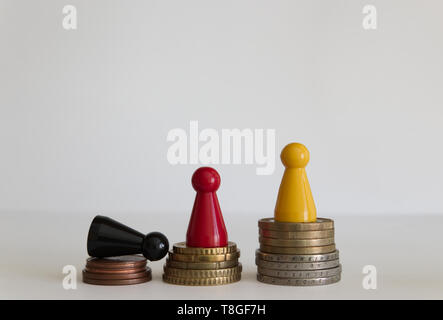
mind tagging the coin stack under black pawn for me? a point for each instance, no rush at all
(296, 247)
(115, 253)
(113, 271)
(206, 258)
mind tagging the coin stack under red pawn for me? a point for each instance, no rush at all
(113, 271)
(206, 258)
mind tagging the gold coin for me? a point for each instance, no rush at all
(320, 224)
(183, 273)
(296, 243)
(299, 250)
(296, 234)
(201, 265)
(183, 249)
(201, 281)
(204, 257)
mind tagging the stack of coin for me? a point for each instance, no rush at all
(115, 271)
(297, 254)
(194, 266)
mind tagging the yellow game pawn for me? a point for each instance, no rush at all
(295, 202)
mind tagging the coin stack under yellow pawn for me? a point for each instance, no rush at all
(296, 247)
(194, 266)
(297, 254)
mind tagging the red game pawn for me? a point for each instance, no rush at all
(206, 228)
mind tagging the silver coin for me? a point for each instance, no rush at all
(297, 265)
(298, 282)
(300, 274)
(296, 257)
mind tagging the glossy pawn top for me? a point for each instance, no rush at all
(295, 202)
(206, 179)
(206, 227)
(109, 238)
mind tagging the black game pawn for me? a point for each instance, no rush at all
(110, 238)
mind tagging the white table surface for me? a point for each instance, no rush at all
(406, 250)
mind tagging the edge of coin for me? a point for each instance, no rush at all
(108, 263)
(298, 282)
(298, 250)
(201, 265)
(202, 273)
(296, 235)
(115, 271)
(293, 258)
(201, 281)
(181, 248)
(296, 243)
(203, 258)
(118, 276)
(300, 274)
(126, 282)
(320, 224)
(297, 266)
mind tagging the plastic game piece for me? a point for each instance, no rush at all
(109, 238)
(294, 201)
(206, 227)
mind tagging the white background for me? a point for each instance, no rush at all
(84, 115)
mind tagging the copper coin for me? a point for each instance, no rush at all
(115, 271)
(120, 262)
(118, 276)
(115, 282)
